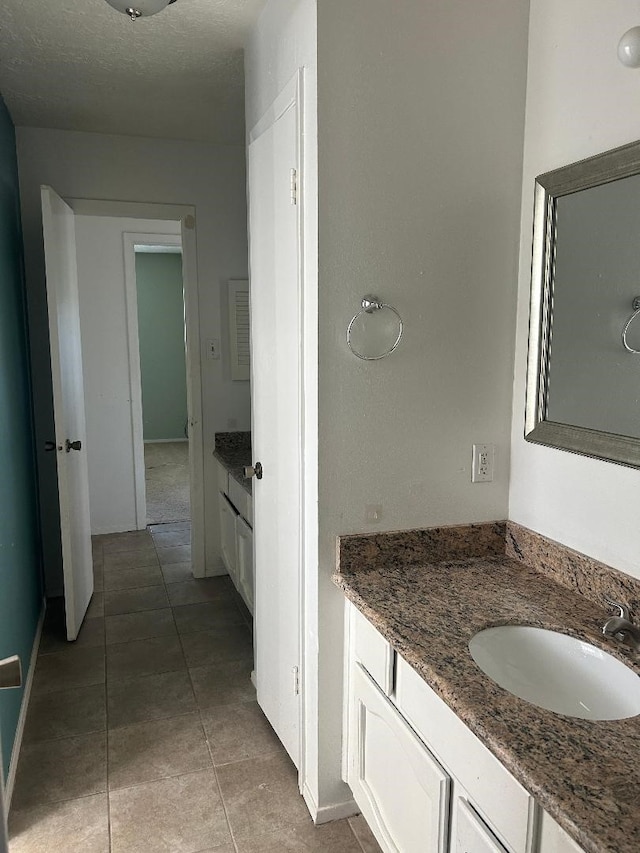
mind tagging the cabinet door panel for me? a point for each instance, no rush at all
(402, 790)
(228, 536)
(471, 834)
(244, 545)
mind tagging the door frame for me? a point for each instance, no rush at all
(130, 240)
(186, 215)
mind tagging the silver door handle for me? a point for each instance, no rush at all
(253, 471)
(10, 672)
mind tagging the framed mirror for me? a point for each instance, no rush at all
(583, 372)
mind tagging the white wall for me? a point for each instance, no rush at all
(105, 361)
(580, 101)
(211, 177)
(420, 146)
(421, 115)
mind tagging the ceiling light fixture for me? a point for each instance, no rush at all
(139, 8)
(629, 48)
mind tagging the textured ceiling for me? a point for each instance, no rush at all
(80, 65)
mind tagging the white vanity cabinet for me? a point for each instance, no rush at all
(244, 561)
(236, 534)
(228, 535)
(424, 782)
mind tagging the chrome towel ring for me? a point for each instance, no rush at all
(371, 304)
(636, 312)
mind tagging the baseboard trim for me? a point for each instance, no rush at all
(164, 440)
(326, 814)
(26, 696)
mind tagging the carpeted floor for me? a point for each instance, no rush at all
(167, 481)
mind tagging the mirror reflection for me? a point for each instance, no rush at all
(583, 391)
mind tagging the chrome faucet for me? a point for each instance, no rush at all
(621, 627)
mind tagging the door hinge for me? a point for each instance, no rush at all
(296, 680)
(294, 186)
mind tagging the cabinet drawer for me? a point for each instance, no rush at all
(497, 796)
(241, 500)
(372, 651)
(223, 478)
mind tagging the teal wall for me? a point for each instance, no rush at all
(162, 355)
(20, 585)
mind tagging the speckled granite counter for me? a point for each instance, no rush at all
(428, 592)
(233, 450)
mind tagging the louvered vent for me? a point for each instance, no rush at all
(239, 329)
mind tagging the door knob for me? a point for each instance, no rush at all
(72, 445)
(10, 672)
(49, 446)
(253, 471)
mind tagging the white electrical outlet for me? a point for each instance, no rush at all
(482, 463)
(213, 348)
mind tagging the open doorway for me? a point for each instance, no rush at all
(163, 380)
(113, 239)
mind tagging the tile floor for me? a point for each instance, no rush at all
(144, 735)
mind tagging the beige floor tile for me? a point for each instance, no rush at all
(152, 697)
(177, 572)
(98, 578)
(207, 616)
(144, 657)
(96, 605)
(97, 550)
(226, 683)
(132, 578)
(77, 667)
(139, 626)
(198, 590)
(74, 826)
(135, 540)
(131, 559)
(239, 732)
(64, 769)
(179, 815)
(54, 637)
(120, 601)
(174, 554)
(66, 713)
(210, 647)
(335, 837)
(261, 796)
(364, 835)
(157, 749)
(171, 538)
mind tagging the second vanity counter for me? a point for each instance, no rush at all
(428, 592)
(233, 451)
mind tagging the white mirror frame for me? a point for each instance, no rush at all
(618, 163)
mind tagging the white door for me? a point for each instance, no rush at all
(68, 402)
(276, 402)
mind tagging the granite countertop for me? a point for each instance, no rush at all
(233, 450)
(428, 592)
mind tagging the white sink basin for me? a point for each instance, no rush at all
(557, 672)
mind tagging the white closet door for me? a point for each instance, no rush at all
(276, 405)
